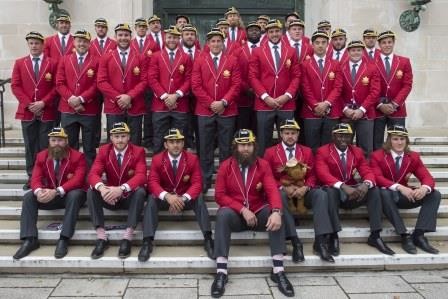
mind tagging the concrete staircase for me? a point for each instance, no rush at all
(179, 240)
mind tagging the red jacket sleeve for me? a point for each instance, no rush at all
(254, 73)
(17, 85)
(196, 179)
(363, 168)
(323, 172)
(202, 97)
(407, 83)
(421, 172)
(153, 77)
(335, 93)
(77, 181)
(375, 165)
(139, 177)
(103, 78)
(233, 92)
(221, 198)
(140, 88)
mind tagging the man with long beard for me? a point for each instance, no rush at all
(57, 183)
(248, 199)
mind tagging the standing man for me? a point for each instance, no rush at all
(392, 166)
(236, 32)
(156, 35)
(297, 40)
(321, 87)
(181, 21)
(248, 199)
(169, 77)
(58, 182)
(189, 41)
(274, 75)
(324, 26)
(396, 84)
(175, 184)
(141, 43)
(277, 156)
(360, 92)
(79, 104)
(102, 44)
(61, 43)
(292, 16)
(122, 80)
(336, 166)
(337, 50)
(33, 84)
(246, 118)
(369, 37)
(216, 83)
(263, 20)
(123, 188)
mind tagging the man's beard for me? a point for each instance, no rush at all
(57, 152)
(245, 161)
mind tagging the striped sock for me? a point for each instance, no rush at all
(221, 265)
(277, 260)
(101, 233)
(128, 233)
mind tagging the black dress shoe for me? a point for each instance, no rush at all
(297, 253)
(100, 246)
(379, 244)
(61, 249)
(209, 247)
(219, 284)
(321, 249)
(422, 243)
(145, 251)
(26, 248)
(333, 244)
(125, 249)
(407, 245)
(284, 286)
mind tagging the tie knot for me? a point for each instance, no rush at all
(371, 52)
(119, 155)
(36, 59)
(342, 155)
(174, 162)
(190, 51)
(156, 34)
(398, 158)
(296, 45)
(320, 60)
(63, 37)
(81, 58)
(290, 149)
(123, 53)
(253, 46)
(275, 47)
(171, 53)
(386, 58)
(215, 58)
(141, 40)
(355, 65)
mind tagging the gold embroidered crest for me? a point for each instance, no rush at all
(181, 68)
(259, 186)
(73, 50)
(331, 75)
(69, 176)
(307, 57)
(149, 53)
(226, 73)
(136, 71)
(399, 74)
(131, 172)
(48, 76)
(365, 80)
(90, 73)
(243, 41)
(186, 178)
(288, 63)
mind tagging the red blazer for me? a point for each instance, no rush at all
(109, 46)
(188, 178)
(73, 171)
(329, 166)
(375, 54)
(398, 86)
(166, 78)
(241, 37)
(317, 87)
(112, 82)
(260, 189)
(27, 89)
(342, 59)
(210, 85)
(366, 89)
(153, 44)
(149, 48)
(132, 172)
(53, 47)
(383, 166)
(264, 78)
(245, 98)
(306, 50)
(70, 81)
(276, 157)
(230, 47)
(197, 44)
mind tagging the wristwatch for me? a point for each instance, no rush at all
(123, 188)
(276, 210)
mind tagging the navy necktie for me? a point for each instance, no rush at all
(387, 64)
(354, 66)
(321, 65)
(36, 67)
(63, 45)
(171, 57)
(80, 62)
(290, 150)
(297, 46)
(344, 166)
(102, 45)
(243, 174)
(190, 52)
(123, 60)
(157, 39)
(57, 167)
(140, 45)
(233, 34)
(371, 54)
(119, 159)
(277, 57)
(175, 167)
(338, 53)
(215, 62)
(397, 165)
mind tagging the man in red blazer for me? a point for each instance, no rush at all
(298, 41)
(274, 75)
(360, 91)
(278, 156)
(321, 89)
(174, 184)
(58, 182)
(141, 43)
(216, 83)
(229, 47)
(396, 84)
(369, 36)
(236, 32)
(156, 35)
(392, 166)
(248, 199)
(246, 116)
(263, 20)
(102, 44)
(324, 26)
(117, 182)
(337, 50)
(33, 84)
(169, 76)
(338, 164)
(61, 43)
(79, 104)
(122, 80)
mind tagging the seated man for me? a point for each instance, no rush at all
(175, 183)
(121, 188)
(57, 182)
(248, 199)
(336, 166)
(277, 156)
(392, 167)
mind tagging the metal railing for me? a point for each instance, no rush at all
(3, 82)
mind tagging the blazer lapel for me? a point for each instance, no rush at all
(113, 162)
(268, 55)
(50, 169)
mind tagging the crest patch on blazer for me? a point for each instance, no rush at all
(226, 73)
(90, 73)
(365, 80)
(399, 74)
(181, 68)
(186, 178)
(331, 75)
(136, 71)
(48, 76)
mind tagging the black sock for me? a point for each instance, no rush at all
(295, 241)
(207, 235)
(375, 234)
(418, 232)
(404, 235)
(148, 239)
(61, 237)
(334, 235)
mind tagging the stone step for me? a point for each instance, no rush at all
(192, 259)
(187, 232)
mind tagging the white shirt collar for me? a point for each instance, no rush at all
(249, 44)
(371, 49)
(138, 38)
(279, 44)
(213, 55)
(173, 158)
(340, 152)
(193, 49)
(41, 56)
(84, 56)
(391, 57)
(317, 59)
(285, 147)
(100, 39)
(67, 36)
(168, 51)
(352, 63)
(293, 42)
(394, 155)
(123, 152)
(341, 53)
(127, 51)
